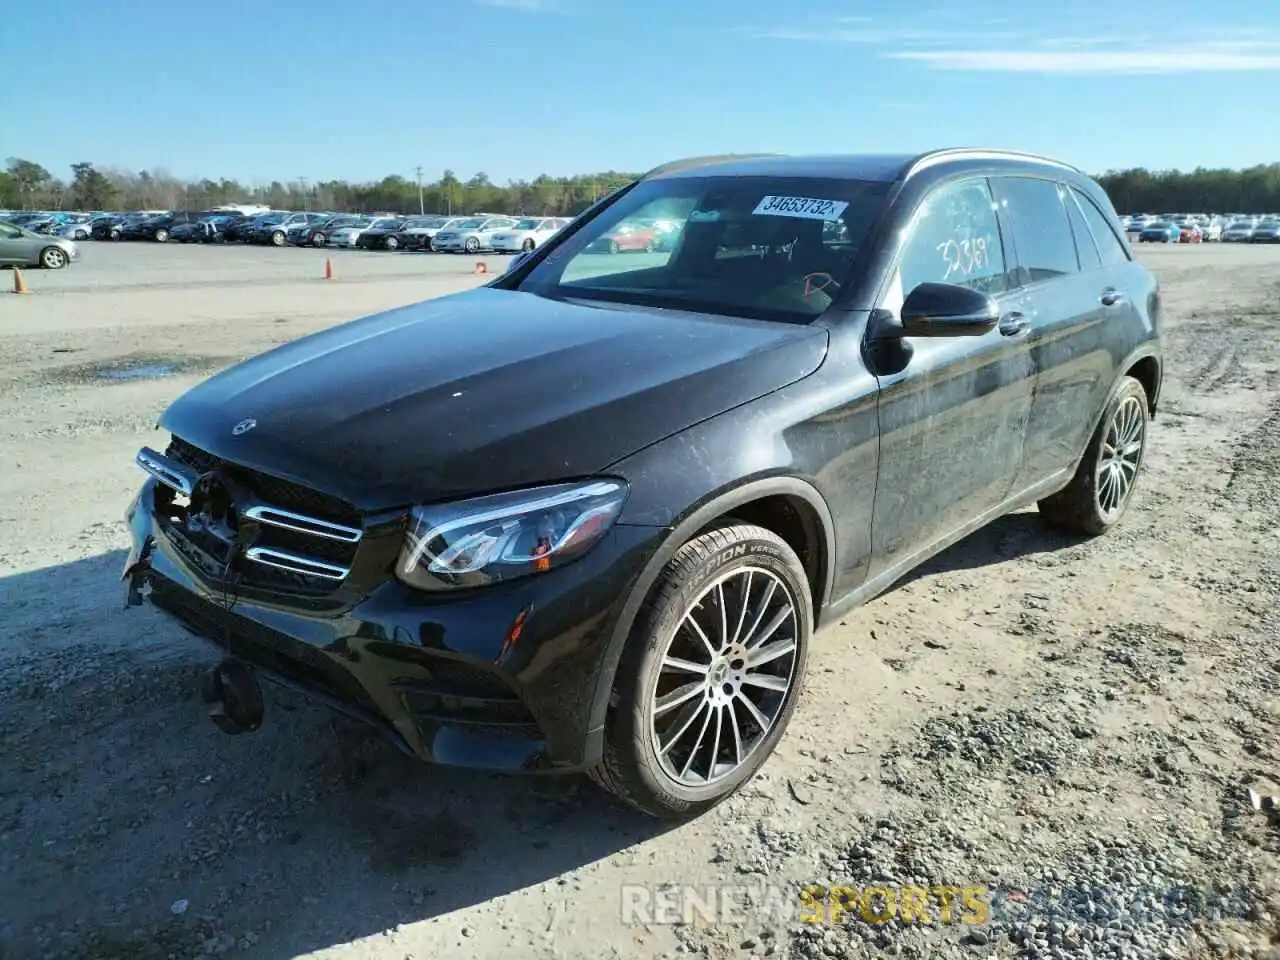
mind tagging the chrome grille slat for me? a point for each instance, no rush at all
(284, 560)
(300, 523)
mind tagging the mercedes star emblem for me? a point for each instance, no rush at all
(243, 427)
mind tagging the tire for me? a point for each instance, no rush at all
(1086, 505)
(613, 246)
(527, 246)
(81, 235)
(631, 766)
(53, 258)
(319, 240)
(278, 238)
(472, 245)
(115, 234)
(393, 243)
(162, 235)
(650, 246)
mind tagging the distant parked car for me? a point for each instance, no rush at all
(528, 234)
(1190, 233)
(628, 236)
(1268, 231)
(349, 234)
(317, 235)
(160, 227)
(20, 247)
(471, 235)
(1238, 231)
(1159, 232)
(1213, 231)
(276, 231)
(385, 235)
(417, 233)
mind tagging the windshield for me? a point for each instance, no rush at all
(769, 248)
(528, 224)
(468, 224)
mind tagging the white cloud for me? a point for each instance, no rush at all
(1213, 50)
(531, 6)
(1177, 60)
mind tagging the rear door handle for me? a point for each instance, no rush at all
(1110, 298)
(1013, 323)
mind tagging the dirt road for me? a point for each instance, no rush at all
(1069, 728)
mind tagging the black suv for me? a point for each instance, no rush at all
(589, 515)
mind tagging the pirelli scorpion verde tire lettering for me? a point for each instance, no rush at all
(1098, 495)
(711, 672)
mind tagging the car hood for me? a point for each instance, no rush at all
(484, 390)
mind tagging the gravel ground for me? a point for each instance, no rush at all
(1069, 729)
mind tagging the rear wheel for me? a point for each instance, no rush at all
(393, 243)
(162, 235)
(711, 673)
(1098, 496)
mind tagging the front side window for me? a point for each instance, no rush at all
(759, 247)
(954, 237)
(1041, 230)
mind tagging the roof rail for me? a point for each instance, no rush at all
(934, 157)
(699, 161)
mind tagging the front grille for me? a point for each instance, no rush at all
(281, 493)
(306, 541)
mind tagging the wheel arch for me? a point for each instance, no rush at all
(789, 506)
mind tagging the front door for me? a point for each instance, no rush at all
(952, 420)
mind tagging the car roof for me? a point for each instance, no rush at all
(883, 167)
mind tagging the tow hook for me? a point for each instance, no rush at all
(234, 697)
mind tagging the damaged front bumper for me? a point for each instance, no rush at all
(503, 678)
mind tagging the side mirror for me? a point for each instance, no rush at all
(947, 310)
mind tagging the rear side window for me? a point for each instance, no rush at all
(1109, 245)
(1086, 249)
(955, 238)
(1041, 230)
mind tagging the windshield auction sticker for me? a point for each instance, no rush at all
(805, 208)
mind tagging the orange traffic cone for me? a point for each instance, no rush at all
(328, 269)
(481, 267)
(19, 284)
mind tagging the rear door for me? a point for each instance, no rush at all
(1070, 357)
(952, 420)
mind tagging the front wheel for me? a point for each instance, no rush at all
(319, 239)
(472, 245)
(162, 235)
(711, 673)
(527, 246)
(278, 238)
(53, 258)
(393, 243)
(1098, 495)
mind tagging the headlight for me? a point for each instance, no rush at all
(490, 539)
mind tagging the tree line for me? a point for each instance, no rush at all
(26, 185)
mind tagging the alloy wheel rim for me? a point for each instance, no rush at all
(726, 674)
(54, 258)
(1121, 455)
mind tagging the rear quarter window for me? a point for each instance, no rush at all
(1110, 247)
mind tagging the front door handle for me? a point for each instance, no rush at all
(1110, 298)
(1013, 323)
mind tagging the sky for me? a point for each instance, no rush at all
(261, 90)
